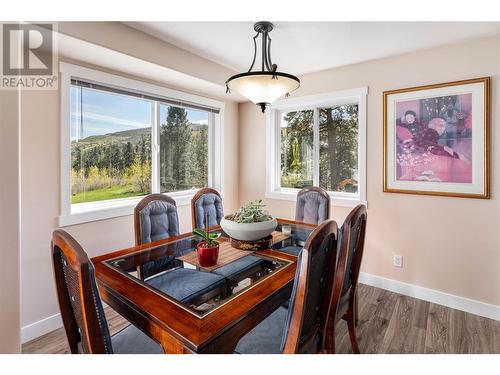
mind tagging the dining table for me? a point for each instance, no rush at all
(215, 322)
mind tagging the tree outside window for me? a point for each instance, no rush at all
(337, 148)
(338, 151)
(183, 149)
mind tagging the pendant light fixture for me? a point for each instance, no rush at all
(265, 86)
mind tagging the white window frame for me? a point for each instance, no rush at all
(313, 102)
(72, 214)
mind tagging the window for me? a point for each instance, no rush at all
(110, 145)
(318, 140)
(123, 139)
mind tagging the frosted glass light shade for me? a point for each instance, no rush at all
(261, 87)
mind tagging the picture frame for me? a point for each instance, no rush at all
(436, 139)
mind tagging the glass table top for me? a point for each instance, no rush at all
(170, 270)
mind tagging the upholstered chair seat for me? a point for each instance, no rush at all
(132, 340)
(239, 266)
(299, 238)
(186, 284)
(292, 250)
(266, 337)
(207, 202)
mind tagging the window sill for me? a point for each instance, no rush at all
(102, 210)
(335, 200)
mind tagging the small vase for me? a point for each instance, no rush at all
(207, 256)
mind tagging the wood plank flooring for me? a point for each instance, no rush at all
(388, 323)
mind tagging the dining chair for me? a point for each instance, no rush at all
(81, 307)
(301, 328)
(156, 218)
(312, 206)
(344, 303)
(206, 202)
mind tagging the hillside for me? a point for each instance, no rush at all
(133, 136)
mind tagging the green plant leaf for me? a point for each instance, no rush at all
(200, 233)
(214, 236)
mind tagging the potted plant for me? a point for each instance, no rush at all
(208, 249)
(249, 223)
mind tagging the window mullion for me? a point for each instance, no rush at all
(155, 149)
(316, 147)
(211, 159)
(277, 150)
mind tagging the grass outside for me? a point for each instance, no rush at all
(114, 192)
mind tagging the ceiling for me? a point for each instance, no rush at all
(80, 50)
(304, 47)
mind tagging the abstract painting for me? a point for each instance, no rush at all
(436, 139)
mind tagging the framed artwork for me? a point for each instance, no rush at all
(436, 139)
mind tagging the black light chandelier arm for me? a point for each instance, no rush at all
(270, 65)
(266, 52)
(254, 51)
(267, 65)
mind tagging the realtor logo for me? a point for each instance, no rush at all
(28, 56)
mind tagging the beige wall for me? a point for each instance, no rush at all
(9, 223)
(40, 163)
(448, 244)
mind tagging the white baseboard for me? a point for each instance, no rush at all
(449, 300)
(34, 330)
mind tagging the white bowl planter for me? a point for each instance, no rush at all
(248, 231)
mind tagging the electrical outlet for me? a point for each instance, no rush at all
(397, 261)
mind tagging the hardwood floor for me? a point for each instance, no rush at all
(388, 323)
(393, 323)
(55, 342)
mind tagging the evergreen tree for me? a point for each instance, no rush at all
(114, 158)
(143, 154)
(198, 158)
(295, 140)
(338, 146)
(77, 158)
(128, 155)
(175, 139)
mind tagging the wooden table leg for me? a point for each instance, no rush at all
(171, 345)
